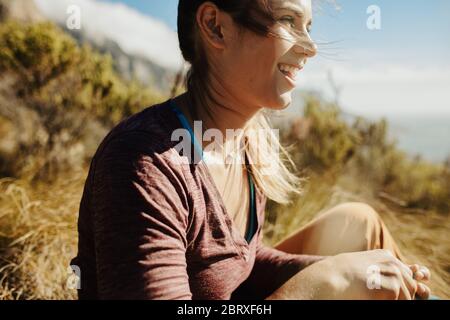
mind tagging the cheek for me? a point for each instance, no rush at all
(268, 83)
(255, 72)
(262, 59)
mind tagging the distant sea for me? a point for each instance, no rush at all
(424, 135)
(428, 136)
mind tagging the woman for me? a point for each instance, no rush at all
(158, 221)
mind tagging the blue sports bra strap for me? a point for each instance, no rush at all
(252, 213)
(187, 126)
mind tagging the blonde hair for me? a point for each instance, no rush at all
(255, 15)
(280, 183)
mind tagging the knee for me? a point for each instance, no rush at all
(361, 221)
(359, 212)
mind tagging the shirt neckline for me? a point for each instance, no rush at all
(253, 216)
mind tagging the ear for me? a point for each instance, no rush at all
(209, 20)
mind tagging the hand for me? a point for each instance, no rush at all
(348, 276)
(390, 278)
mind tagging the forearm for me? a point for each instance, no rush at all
(311, 283)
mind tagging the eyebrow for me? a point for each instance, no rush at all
(294, 8)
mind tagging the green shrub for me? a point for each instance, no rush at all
(69, 95)
(330, 142)
(363, 152)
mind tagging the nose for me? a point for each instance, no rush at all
(305, 45)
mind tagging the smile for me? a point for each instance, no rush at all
(289, 71)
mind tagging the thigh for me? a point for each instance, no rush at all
(348, 227)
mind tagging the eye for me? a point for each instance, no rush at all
(309, 27)
(289, 19)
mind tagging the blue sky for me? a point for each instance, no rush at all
(402, 69)
(166, 10)
(395, 70)
(412, 26)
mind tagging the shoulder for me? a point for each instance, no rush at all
(158, 121)
(147, 132)
(141, 145)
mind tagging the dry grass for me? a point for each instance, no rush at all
(38, 232)
(45, 133)
(37, 237)
(421, 235)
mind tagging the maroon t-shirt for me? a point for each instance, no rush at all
(153, 226)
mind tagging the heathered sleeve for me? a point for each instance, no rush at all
(271, 270)
(140, 219)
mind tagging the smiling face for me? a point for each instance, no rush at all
(262, 70)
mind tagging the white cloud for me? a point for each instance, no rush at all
(373, 83)
(134, 32)
(383, 89)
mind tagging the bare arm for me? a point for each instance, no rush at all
(345, 276)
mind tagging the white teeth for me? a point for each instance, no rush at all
(292, 71)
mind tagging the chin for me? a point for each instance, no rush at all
(277, 101)
(282, 101)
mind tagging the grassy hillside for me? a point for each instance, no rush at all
(58, 100)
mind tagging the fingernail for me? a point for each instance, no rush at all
(425, 272)
(420, 288)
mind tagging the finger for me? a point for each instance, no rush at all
(418, 275)
(405, 292)
(408, 279)
(404, 276)
(426, 272)
(423, 292)
(392, 287)
(401, 277)
(414, 268)
(421, 273)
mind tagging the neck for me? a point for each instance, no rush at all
(220, 117)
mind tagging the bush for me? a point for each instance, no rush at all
(67, 96)
(330, 142)
(363, 150)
